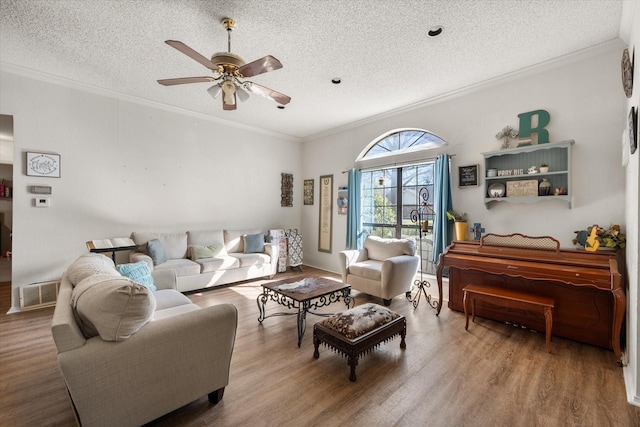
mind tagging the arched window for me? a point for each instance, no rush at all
(395, 166)
(401, 141)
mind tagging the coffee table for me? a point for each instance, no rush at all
(304, 301)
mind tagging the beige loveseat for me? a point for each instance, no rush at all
(226, 256)
(129, 355)
(384, 268)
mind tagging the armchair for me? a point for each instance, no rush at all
(385, 268)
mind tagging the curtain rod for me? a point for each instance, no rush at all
(408, 162)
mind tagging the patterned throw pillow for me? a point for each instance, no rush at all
(139, 272)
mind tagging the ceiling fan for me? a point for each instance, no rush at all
(229, 70)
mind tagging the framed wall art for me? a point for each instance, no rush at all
(43, 164)
(286, 188)
(325, 225)
(633, 129)
(468, 176)
(308, 192)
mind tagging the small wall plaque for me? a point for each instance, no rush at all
(468, 176)
(43, 164)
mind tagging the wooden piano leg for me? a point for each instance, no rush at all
(466, 312)
(619, 306)
(548, 317)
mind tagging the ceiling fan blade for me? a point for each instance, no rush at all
(185, 80)
(229, 107)
(278, 97)
(259, 66)
(192, 54)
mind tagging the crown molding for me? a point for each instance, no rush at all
(61, 81)
(592, 51)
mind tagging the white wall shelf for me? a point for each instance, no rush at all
(557, 155)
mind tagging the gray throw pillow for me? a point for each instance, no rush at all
(155, 249)
(253, 243)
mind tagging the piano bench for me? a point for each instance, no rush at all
(509, 299)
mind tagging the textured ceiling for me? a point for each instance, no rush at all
(380, 49)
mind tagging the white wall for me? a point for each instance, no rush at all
(126, 166)
(584, 97)
(631, 11)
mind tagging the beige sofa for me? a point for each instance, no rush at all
(384, 268)
(129, 355)
(232, 263)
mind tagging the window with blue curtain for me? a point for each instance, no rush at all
(390, 193)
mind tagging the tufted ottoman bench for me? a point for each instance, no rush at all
(357, 331)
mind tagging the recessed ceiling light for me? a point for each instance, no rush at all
(336, 80)
(435, 31)
(281, 107)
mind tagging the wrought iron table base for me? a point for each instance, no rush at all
(303, 306)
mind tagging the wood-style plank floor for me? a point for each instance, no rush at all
(491, 375)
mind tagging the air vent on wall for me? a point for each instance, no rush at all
(39, 295)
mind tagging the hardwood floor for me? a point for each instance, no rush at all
(491, 375)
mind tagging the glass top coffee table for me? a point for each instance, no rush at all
(304, 295)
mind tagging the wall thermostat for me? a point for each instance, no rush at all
(43, 202)
(40, 189)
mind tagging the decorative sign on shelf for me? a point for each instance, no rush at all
(510, 172)
(528, 188)
(468, 176)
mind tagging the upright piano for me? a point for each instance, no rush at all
(587, 287)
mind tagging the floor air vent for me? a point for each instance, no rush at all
(38, 295)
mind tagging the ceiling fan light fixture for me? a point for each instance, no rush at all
(229, 71)
(242, 94)
(215, 90)
(229, 90)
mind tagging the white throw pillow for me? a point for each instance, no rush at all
(89, 264)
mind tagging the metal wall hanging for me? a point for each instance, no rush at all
(308, 191)
(286, 197)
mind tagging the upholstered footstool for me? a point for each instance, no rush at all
(357, 331)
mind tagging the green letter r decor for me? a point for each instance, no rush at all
(543, 120)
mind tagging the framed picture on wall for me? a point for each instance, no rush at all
(633, 130)
(325, 225)
(308, 192)
(468, 176)
(43, 164)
